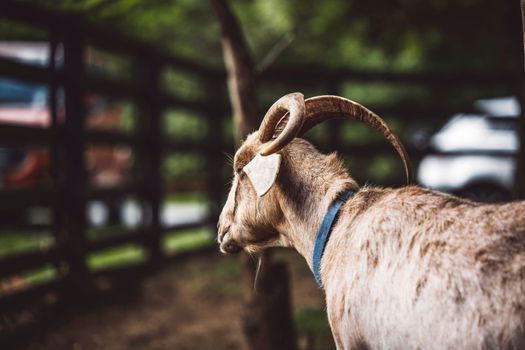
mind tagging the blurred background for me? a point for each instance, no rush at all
(116, 126)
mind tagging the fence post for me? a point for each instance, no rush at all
(213, 148)
(520, 160)
(151, 154)
(54, 147)
(73, 199)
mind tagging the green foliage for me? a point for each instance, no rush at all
(228, 129)
(182, 125)
(382, 168)
(106, 63)
(183, 165)
(184, 26)
(397, 34)
(319, 134)
(128, 117)
(358, 134)
(185, 197)
(11, 30)
(383, 93)
(183, 84)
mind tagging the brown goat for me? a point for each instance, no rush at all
(405, 268)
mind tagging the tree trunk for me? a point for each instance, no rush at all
(267, 320)
(241, 72)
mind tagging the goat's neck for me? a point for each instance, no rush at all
(303, 216)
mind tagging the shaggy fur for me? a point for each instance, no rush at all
(404, 268)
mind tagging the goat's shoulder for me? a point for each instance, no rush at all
(409, 200)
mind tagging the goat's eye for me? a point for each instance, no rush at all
(238, 168)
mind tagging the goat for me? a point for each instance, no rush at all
(405, 268)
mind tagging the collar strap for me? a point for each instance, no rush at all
(323, 234)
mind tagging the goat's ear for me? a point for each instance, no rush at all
(262, 172)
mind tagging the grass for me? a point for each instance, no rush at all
(129, 254)
(28, 278)
(186, 240)
(12, 243)
(313, 328)
(41, 275)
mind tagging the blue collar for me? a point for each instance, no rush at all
(324, 232)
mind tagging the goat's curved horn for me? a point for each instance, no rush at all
(321, 108)
(291, 104)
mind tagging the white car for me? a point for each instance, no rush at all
(474, 155)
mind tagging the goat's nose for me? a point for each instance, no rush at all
(229, 246)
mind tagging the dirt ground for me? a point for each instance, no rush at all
(194, 304)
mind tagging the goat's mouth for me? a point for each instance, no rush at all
(230, 247)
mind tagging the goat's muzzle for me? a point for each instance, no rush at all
(227, 244)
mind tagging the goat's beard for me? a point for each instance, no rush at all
(257, 272)
(256, 252)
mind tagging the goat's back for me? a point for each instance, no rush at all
(429, 270)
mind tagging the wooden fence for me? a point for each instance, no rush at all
(69, 191)
(66, 141)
